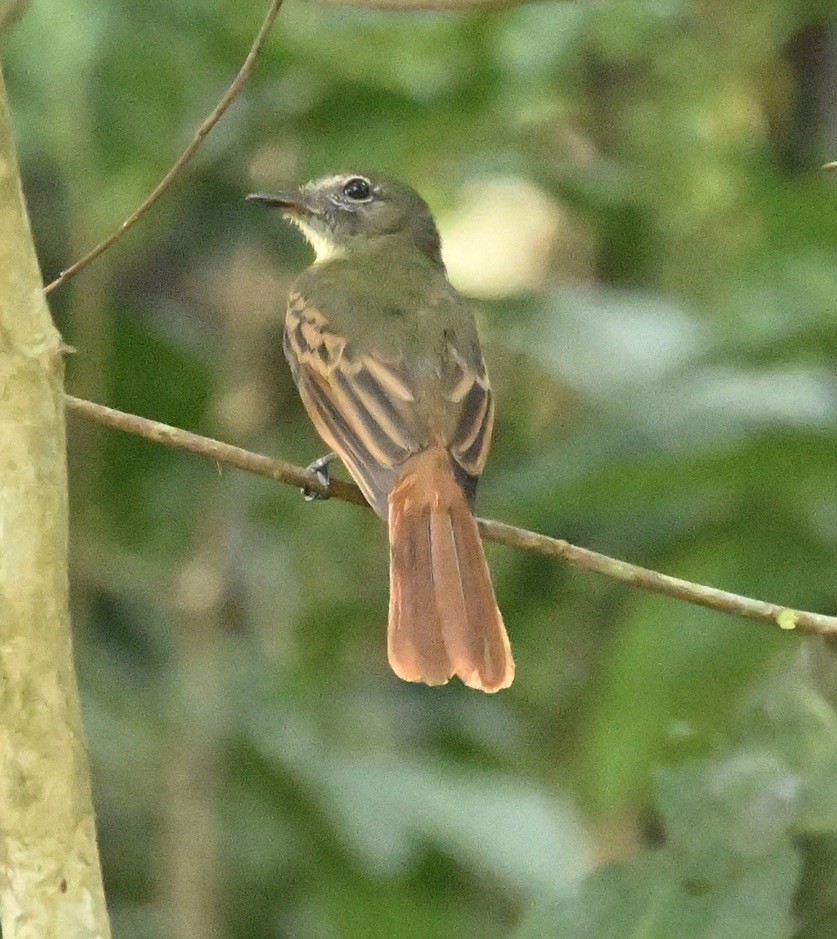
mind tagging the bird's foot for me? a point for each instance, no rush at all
(320, 469)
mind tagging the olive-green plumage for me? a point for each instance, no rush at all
(387, 360)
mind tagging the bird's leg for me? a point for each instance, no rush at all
(320, 469)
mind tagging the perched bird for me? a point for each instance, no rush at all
(387, 361)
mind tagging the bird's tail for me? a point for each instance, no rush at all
(443, 618)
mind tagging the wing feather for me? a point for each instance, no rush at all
(471, 391)
(366, 407)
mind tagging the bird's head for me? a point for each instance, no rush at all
(349, 212)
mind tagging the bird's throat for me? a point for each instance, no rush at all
(324, 247)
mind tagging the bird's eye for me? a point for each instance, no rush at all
(358, 189)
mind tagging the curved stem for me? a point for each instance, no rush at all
(216, 114)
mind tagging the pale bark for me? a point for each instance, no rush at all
(50, 882)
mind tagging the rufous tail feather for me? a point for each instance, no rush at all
(443, 617)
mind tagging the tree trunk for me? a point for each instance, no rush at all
(50, 882)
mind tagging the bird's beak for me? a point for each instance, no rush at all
(292, 202)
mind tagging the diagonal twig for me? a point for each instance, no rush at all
(426, 6)
(216, 114)
(621, 571)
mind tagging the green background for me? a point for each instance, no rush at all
(663, 360)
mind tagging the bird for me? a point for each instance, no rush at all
(387, 361)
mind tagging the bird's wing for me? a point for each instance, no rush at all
(364, 403)
(467, 391)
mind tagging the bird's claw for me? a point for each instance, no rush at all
(320, 469)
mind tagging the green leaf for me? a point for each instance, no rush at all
(387, 808)
(651, 899)
(723, 811)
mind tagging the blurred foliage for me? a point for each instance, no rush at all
(664, 369)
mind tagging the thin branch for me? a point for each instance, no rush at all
(621, 571)
(655, 582)
(202, 132)
(215, 450)
(430, 6)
